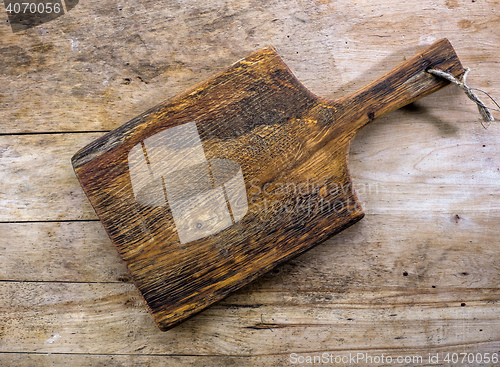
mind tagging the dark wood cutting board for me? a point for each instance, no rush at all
(209, 190)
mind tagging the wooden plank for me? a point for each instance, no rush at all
(421, 357)
(455, 169)
(59, 251)
(38, 182)
(74, 73)
(439, 250)
(86, 318)
(130, 360)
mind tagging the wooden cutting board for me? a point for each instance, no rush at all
(214, 187)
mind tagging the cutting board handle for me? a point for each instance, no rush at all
(402, 85)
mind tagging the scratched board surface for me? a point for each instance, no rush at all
(208, 190)
(418, 275)
(175, 187)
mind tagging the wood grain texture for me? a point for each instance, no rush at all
(291, 149)
(130, 360)
(60, 252)
(84, 57)
(37, 182)
(258, 325)
(381, 257)
(414, 171)
(415, 175)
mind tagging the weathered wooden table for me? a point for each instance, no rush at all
(417, 277)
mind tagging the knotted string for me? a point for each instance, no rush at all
(483, 110)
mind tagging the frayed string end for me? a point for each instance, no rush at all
(483, 110)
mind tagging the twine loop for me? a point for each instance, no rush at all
(483, 110)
